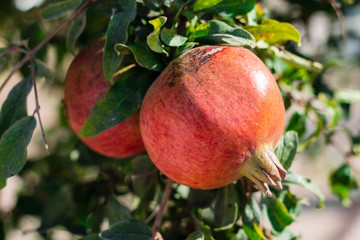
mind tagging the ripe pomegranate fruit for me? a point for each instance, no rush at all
(212, 116)
(85, 85)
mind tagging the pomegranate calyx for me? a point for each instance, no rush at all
(264, 169)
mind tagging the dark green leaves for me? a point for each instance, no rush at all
(117, 33)
(201, 4)
(58, 9)
(272, 31)
(122, 101)
(171, 38)
(128, 230)
(143, 56)
(278, 214)
(195, 236)
(75, 30)
(342, 182)
(226, 207)
(307, 184)
(285, 149)
(13, 144)
(43, 71)
(217, 31)
(153, 39)
(14, 107)
(232, 8)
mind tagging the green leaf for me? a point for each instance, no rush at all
(171, 38)
(58, 9)
(285, 149)
(75, 30)
(251, 233)
(274, 32)
(217, 31)
(116, 212)
(43, 71)
(128, 230)
(13, 144)
(348, 96)
(117, 33)
(201, 4)
(196, 236)
(232, 8)
(342, 182)
(122, 101)
(278, 214)
(91, 237)
(226, 207)
(14, 107)
(307, 184)
(153, 40)
(143, 56)
(297, 123)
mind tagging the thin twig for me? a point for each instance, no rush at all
(37, 104)
(336, 7)
(160, 214)
(31, 53)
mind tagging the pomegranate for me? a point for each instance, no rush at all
(85, 85)
(213, 116)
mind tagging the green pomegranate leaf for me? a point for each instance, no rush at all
(13, 144)
(251, 233)
(348, 96)
(286, 148)
(153, 40)
(59, 9)
(117, 33)
(128, 230)
(278, 214)
(201, 4)
(297, 123)
(196, 236)
(42, 70)
(14, 107)
(143, 56)
(171, 38)
(274, 32)
(342, 182)
(293, 178)
(232, 8)
(75, 30)
(116, 212)
(226, 208)
(123, 100)
(217, 31)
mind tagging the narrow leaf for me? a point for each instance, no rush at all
(201, 4)
(58, 9)
(122, 101)
(117, 33)
(342, 182)
(232, 8)
(75, 30)
(143, 56)
(217, 31)
(251, 233)
(13, 144)
(128, 230)
(285, 149)
(278, 214)
(171, 38)
(272, 31)
(196, 236)
(43, 71)
(307, 184)
(14, 107)
(153, 40)
(116, 212)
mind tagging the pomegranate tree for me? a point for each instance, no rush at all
(213, 116)
(85, 85)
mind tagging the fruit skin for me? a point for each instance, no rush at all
(85, 85)
(212, 116)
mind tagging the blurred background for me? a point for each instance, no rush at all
(322, 40)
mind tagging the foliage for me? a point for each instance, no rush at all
(81, 190)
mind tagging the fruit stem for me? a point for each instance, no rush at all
(264, 169)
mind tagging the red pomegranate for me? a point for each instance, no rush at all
(85, 85)
(213, 116)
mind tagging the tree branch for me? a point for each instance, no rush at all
(336, 7)
(160, 214)
(32, 52)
